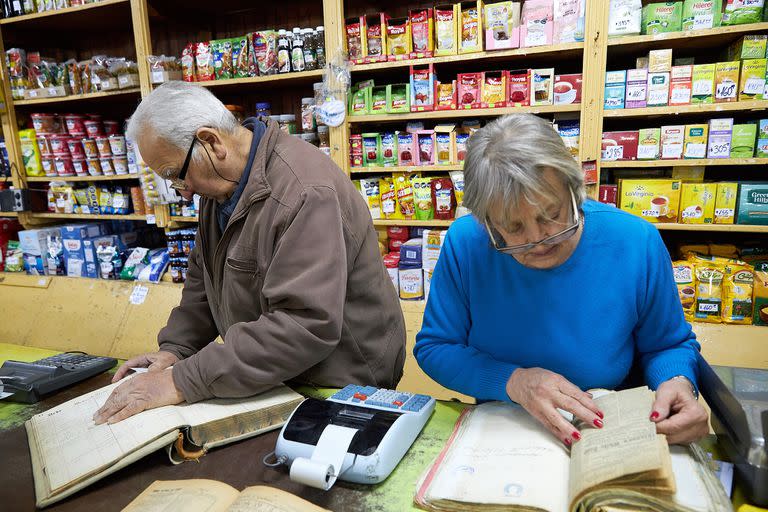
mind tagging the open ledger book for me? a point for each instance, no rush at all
(213, 496)
(501, 458)
(70, 452)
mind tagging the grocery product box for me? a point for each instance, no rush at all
(689, 173)
(615, 89)
(696, 136)
(446, 29)
(542, 86)
(649, 144)
(661, 17)
(469, 87)
(654, 200)
(619, 145)
(719, 143)
(422, 33)
(660, 61)
(761, 150)
(658, 89)
(697, 203)
(34, 241)
(751, 46)
(372, 150)
(743, 140)
(608, 194)
(701, 15)
(725, 202)
(681, 85)
(752, 79)
(493, 90)
(389, 149)
(470, 27)
(445, 144)
(567, 89)
(502, 25)
(82, 231)
(637, 88)
(398, 98)
(672, 141)
(422, 88)
(703, 87)
(752, 206)
(726, 81)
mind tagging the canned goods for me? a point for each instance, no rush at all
(120, 163)
(106, 166)
(59, 144)
(44, 145)
(90, 148)
(80, 165)
(63, 165)
(94, 166)
(75, 124)
(102, 146)
(93, 128)
(111, 128)
(117, 145)
(45, 123)
(75, 146)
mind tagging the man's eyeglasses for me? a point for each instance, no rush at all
(501, 245)
(178, 183)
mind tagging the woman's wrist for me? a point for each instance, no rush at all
(683, 378)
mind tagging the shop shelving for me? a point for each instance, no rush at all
(694, 162)
(116, 177)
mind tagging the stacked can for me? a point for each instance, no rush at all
(180, 245)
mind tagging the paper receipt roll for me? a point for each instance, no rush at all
(322, 470)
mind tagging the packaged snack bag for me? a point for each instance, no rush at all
(446, 24)
(422, 197)
(443, 198)
(737, 294)
(682, 271)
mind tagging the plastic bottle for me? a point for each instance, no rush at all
(297, 52)
(283, 54)
(310, 57)
(320, 47)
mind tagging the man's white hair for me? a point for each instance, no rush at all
(176, 110)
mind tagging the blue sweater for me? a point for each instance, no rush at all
(612, 301)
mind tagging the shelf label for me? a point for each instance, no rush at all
(611, 153)
(724, 212)
(703, 21)
(695, 150)
(754, 86)
(151, 219)
(139, 294)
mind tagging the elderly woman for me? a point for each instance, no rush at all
(542, 294)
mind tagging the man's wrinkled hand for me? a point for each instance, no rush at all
(152, 361)
(140, 393)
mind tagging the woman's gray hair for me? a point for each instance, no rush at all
(176, 110)
(505, 160)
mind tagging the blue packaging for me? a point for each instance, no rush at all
(615, 89)
(417, 232)
(411, 252)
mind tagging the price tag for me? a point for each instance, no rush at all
(157, 77)
(680, 96)
(658, 96)
(651, 213)
(691, 214)
(32, 93)
(695, 150)
(52, 92)
(647, 152)
(611, 153)
(752, 3)
(725, 90)
(122, 80)
(151, 219)
(636, 92)
(672, 151)
(702, 88)
(139, 294)
(703, 21)
(535, 35)
(613, 102)
(719, 150)
(754, 86)
(724, 212)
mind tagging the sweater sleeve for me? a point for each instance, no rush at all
(442, 346)
(665, 343)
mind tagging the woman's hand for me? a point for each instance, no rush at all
(541, 392)
(678, 414)
(153, 361)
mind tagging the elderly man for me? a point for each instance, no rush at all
(286, 267)
(541, 294)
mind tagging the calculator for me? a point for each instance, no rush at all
(30, 382)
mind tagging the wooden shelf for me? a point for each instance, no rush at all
(422, 223)
(84, 178)
(410, 168)
(84, 216)
(302, 76)
(9, 214)
(59, 12)
(731, 228)
(695, 162)
(636, 43)
(179, 218)
(561, 51)
(79, 97)
(477, 112)
(737, 106)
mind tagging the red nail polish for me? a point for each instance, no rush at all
(600, 413)
(567, 441)
(576, 436)
(598, 423)
(654, 415)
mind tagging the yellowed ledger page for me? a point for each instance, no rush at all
(504, 457)
(627, 444)
(184, 496)
(261, 498)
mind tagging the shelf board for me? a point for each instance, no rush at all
(302, 76)
(179, 218)
(477, 112)
(79, 97)
(423, 223)
(736, 106)
(61, 12)
(732, 228)
(9, 214)
(626, 164)
(560, 50)
(410, 168)
(83, 216)
(84, 178)
(703, 38)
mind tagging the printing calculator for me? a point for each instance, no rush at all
(30, 382)
(387, 422)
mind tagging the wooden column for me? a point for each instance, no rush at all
(140, 19)
(333, 15)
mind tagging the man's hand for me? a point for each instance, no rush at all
(678, 414)
(142, 392)
(541, 392)
(153, 361)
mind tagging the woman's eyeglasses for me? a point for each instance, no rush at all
(501, 245)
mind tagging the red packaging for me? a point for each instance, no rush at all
(620, 145)
(59, 144)
(355, 32)
(93, 128)
(44, 145)
(356, 144)
(468, 85)
(188, 63)
(394, 245)
(590, 172)
(75, 124)
(111, 128)
(64, 166)
(567, 89)
(494, 89)
(204, 62)
(426, 142)
(102, 144)
(446, 96)
(376, 30)
(75, 146)
(518, 88)
(608, 194)
(398, 233)
(45, 123)
(421, 33)
(9, 230)
(80, 166)
(406, 149)
(443, 199)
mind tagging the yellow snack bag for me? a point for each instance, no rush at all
(709, 285)
(728, 251)
(760, 307)
(683, 273)
(389, 207)
(737, 294)
(404, 191)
